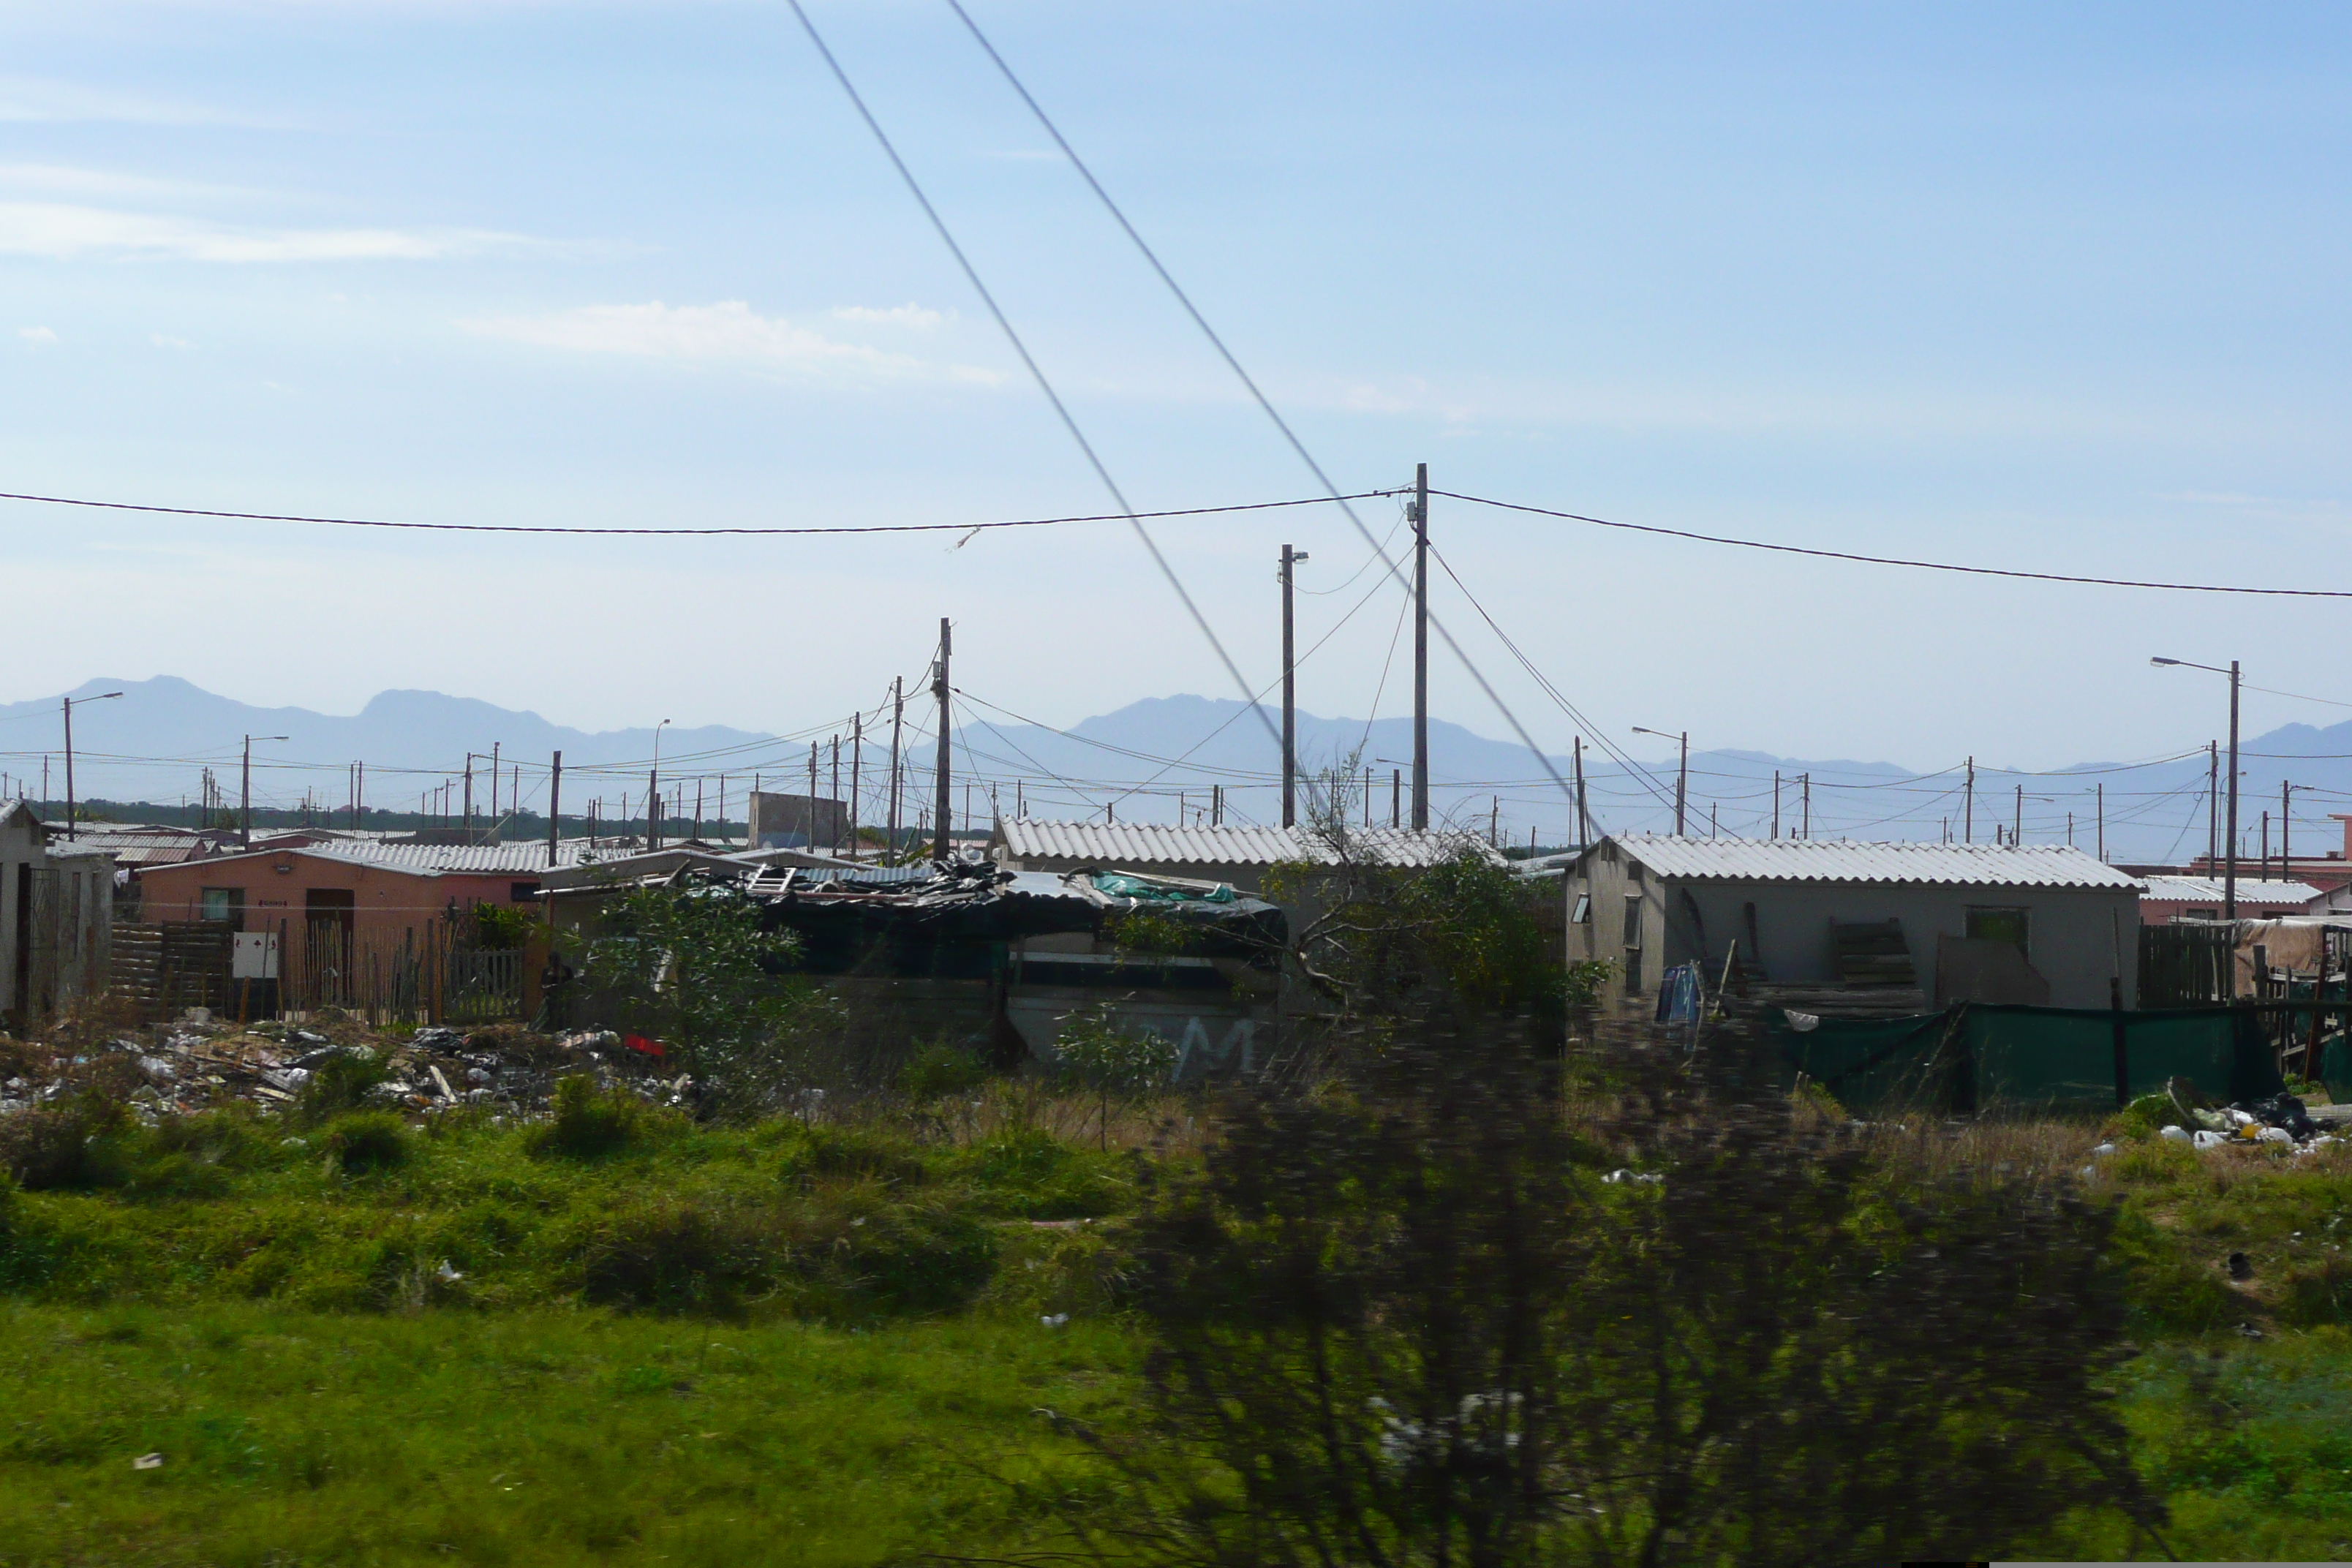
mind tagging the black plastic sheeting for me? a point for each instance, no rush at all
(957, 922)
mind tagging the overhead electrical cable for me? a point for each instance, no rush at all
(674, 533)
(1899, 561)
(1036, 372)
(1263, 402)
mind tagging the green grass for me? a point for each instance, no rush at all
(657, 1343)
(534, 1436)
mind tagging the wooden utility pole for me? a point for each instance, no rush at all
(653, 808)
(2100, 797)
(1216, 806)
(1396, 797)
(1775, 803)
(494, 785)
(470, 798)
(1420, 646)
(1583, 817)
(2017, 822)
(1968, 806)
(897, 719)
(1289, 698)
(856, 773)
(946, 802)
(2212, 805)
(812, 799)
(554, 806)
(836, 793)
(1805, 806)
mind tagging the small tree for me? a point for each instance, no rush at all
(696, 969)
(1112, 1060)
(1426, 1318)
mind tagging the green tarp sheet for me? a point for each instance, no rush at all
(1973, 1057)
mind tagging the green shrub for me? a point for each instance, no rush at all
(855, 1153)
(77, 1142)
(341, 1083)
(940, 1068)
(2144, 1116)
(590, 1122)
(368, 1141)
(674, 1256)
(1028, 1173)
(907, 1258)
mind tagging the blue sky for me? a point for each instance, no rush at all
(2059, 289)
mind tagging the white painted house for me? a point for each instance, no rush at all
(2036, 924)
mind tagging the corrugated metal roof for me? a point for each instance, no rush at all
(2208, 891)
(1150, 844)
(1820, 860)
(491, 860)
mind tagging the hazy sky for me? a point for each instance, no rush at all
(2059, 288)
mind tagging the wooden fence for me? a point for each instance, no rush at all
(417, 975)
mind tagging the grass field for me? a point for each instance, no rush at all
(361, 1343)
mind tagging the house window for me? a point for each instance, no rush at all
(226, 904)
(1581, 914)
(1992, 924)
(522, 892)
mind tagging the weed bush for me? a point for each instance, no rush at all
(342, 1082)
(939, 1070)
(672, 1255)
(76, 1143)
(590, 1122)
(366, 1141)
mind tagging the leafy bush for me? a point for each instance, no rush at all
(76, 1143)
(1409, 1313)
(940, 1069)
(1100, 1055)
(674, 1256)
(499, 927)
(343, 1082)
(590, 1122)
(364, 1142)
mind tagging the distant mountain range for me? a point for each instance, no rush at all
(1143, 761)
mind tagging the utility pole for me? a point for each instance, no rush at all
(1806, 821)
(554, 806)
(2017, 823)
(1968, 806)
(2286, 832)
(836, 793)
(2212, 805)
(1584, 818)
(2230, 876)
(1775, 803)
(470, 798)
(1216, 806)
(2101, 797)
(70, 787)
(1289, 697)
(811, 798)
(244, 802)
(1396, 797)
(944, 828)
(897, 719)
(1681, 785)
(1420, 646)
(494, 785)
(857, 774)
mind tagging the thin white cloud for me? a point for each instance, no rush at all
(728, 331)
(61, 179)
(36, 335)
(906, 315)
(60, 232)
(27, 100)
(162, 341)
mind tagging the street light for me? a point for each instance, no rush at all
(2230, 876)
(245, 802)
(69, 799)
(1682, 774)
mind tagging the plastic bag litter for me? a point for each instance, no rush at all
(2280, 1111)
(2175, 1134)
(2103, 1150)
(2207, 1140)
(2276, 1135)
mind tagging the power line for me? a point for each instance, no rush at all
(675, 532)
(1037, 373)
(1233, 364)
(1900, 561)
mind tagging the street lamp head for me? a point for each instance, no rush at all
(2164, 661)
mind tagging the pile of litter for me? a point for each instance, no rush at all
(2277, 1121)
(197, 1063)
